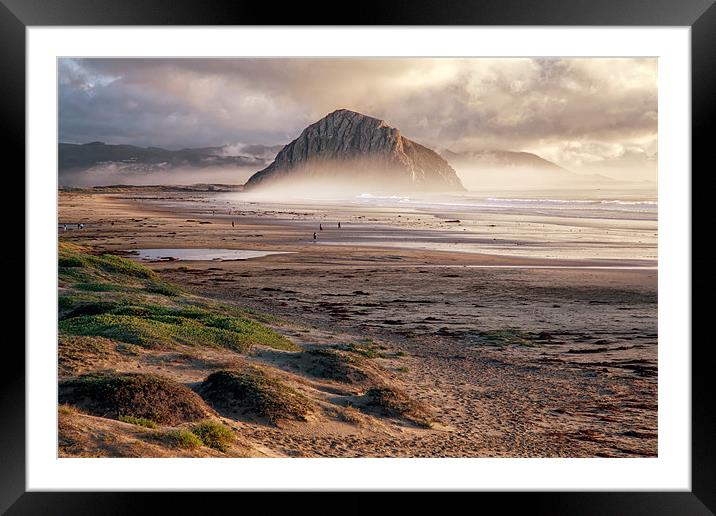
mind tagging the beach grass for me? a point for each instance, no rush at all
(214, 435)
(208, 433)
(148, 328)
(332, 364)
(138, 421)
(75, 351)
(119, 299)
(395, 403)
(184, 438)
(251, 389)
(134, 395)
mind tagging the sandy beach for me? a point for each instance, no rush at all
(526, 328)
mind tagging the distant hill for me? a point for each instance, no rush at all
(130, 158)
(500, 158)
(347, 152)
(514, 170)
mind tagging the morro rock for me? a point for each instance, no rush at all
(347, 152)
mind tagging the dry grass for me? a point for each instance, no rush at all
(138, 421)
(82, 435)
(147, 396)
(251, 390)
(77, 353)
(392, 402)
(350, 415)
(335, 365)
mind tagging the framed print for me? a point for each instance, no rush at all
(444, 248)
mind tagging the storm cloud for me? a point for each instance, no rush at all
(588, 115)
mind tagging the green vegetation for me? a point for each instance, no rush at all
(184, 438)
(395, 403)
(247, 313)
(78, 265)
(164, 288)
(82, 269)
(154, 326)
(366, 349)
(207, 433)
(214, 435)
(139, 421)
(106, 266)
(251, 389)
(97, 287)
(116, 298)
(147, 396)
(66, 261)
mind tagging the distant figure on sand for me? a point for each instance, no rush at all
(339, 224)
(314, 236)
(320, 227)
(232, 223)
(64, 227)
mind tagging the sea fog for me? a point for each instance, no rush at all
(116, 174)
(612, 227)
(638, 204)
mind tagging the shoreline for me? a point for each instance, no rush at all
(289, 229)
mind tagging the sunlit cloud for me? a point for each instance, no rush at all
(586, 114)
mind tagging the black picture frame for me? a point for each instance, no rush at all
(17, 15)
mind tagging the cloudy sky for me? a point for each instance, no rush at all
(588, 115)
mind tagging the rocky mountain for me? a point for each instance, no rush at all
(348, 151)
(130, 158)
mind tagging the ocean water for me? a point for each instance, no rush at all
(583, 225)
(201, 254)
(599, 225)
(640, 206)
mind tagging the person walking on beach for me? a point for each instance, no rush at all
(339, 224)
(320, 227)
(314, 236)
